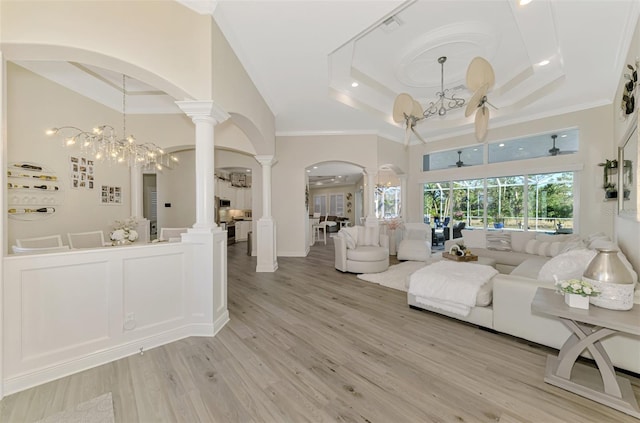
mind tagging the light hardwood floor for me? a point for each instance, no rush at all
(308, 343)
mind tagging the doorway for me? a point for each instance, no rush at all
(150, 202)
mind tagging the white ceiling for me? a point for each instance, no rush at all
(303, 56)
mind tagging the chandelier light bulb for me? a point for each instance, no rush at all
(442, 111)
(98, 155)
(51, 131)
(70, 141)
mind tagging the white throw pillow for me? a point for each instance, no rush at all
(519, 240)
(540, 248)
(474, 238)
(500, 241)
(350, 235)
(369, 235)
(568, 265)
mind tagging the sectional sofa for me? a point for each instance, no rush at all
(526, 261)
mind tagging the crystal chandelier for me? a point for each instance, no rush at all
(103, 144)
(447, 99)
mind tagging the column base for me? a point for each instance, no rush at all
(266, 246)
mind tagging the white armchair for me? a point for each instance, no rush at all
(416, 242)
(361, 249)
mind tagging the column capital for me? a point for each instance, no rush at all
(266, 160)
(199, 109)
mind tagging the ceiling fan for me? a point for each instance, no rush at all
(480, 80)
(409, 111)
(459, 163)
(554, 151)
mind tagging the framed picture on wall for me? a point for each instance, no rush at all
(81, 171)
(110, 195)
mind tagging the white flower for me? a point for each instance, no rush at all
(587, 290)
(576, 287)
(118, 235)
(132, 235)
(564, 284)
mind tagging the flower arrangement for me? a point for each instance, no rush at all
(393, 223)
(123, 230)
(576, 286)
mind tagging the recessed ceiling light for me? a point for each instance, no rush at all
(520, 148)
(475, 149)
(308, 171)
(315, 167)
(563, 136)
(354, 84)
(501, 144)
(339, 176)
(544, 63)
(525, 2)
(249, 170)
(318, 183)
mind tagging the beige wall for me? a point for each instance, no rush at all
(236, 93)
(294, 155)
(178, 188)
(28, 117)
(627, 229)
(159, 42)
(596, 129)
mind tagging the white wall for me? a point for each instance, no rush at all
(627, 229)
(596, 129)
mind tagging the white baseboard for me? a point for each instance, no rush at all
(46, 374)
(220, 322)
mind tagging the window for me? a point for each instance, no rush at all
(502, 202)
(505, 199)
(544, 145)
(462, 157)
(320, 204)
(387, 200)
(336, 205)
(468, 203)
(436, 203)
(551, 202)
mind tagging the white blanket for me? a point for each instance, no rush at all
(450, 286)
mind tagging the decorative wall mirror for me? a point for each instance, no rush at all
(628, 175)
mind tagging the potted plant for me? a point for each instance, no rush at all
(576, 292)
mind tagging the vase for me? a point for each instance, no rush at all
(608, 274)
(576, 301)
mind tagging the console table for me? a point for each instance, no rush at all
(589, 327)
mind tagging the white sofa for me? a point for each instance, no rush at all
(361, 249)
(521, 274)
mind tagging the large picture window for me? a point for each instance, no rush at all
(537, 202)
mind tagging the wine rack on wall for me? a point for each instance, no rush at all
(34, 192)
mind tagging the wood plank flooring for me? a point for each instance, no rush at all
(310, 344)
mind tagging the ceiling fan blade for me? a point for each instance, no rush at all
(407, 134)
(477, 100)
(482, 123)
(402, 107)
(417, 110)
(479, 73)
(418, 135)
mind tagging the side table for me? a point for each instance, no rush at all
(589, 327)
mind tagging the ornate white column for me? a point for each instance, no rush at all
(371, 198)
(266, 240)
(205, 115)
(209, 293)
